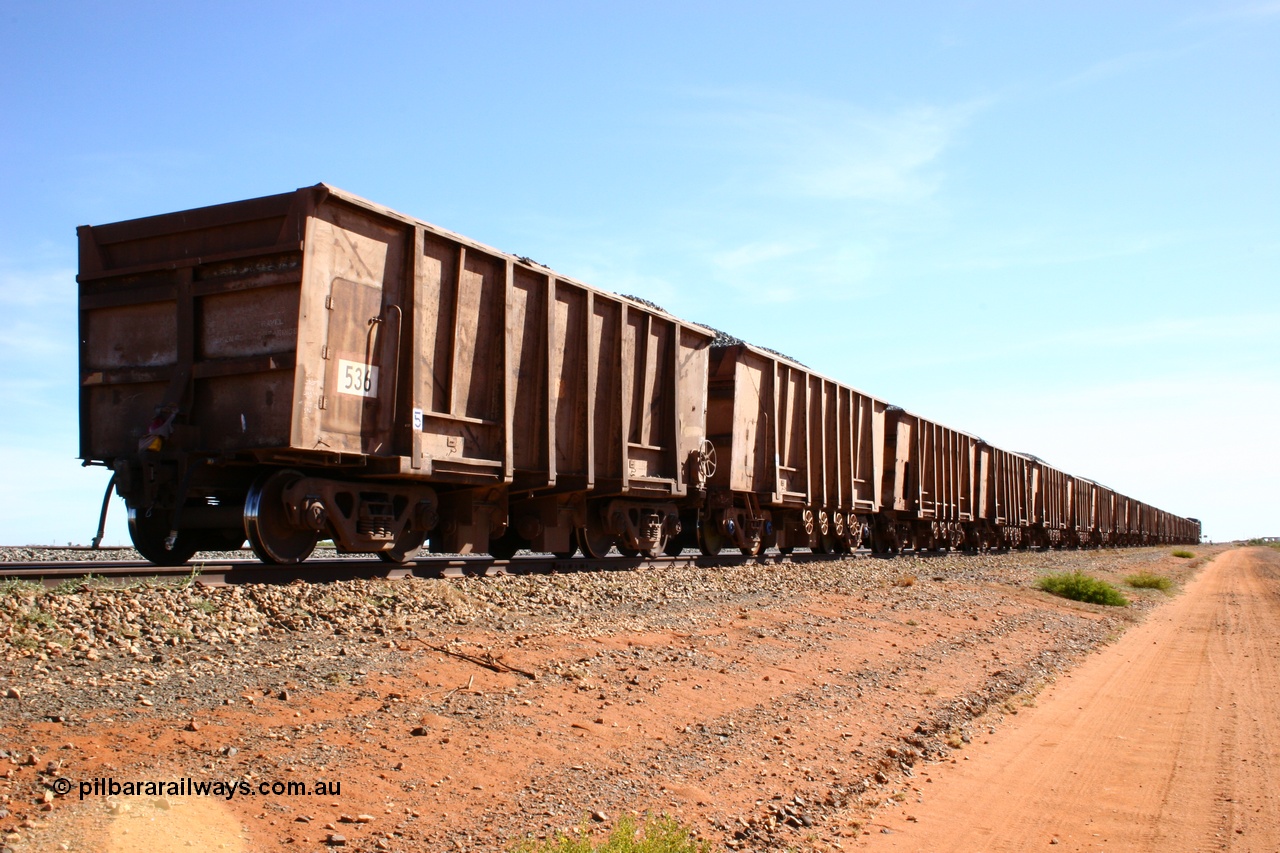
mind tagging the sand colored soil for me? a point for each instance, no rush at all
(1167, 740)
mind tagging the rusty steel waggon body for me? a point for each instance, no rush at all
(798, 457)
(312, 365)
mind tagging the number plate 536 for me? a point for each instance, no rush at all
(356, 379)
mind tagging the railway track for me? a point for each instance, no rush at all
(220, 572)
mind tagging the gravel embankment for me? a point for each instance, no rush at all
(161, 638)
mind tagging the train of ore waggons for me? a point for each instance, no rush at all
(311, 366)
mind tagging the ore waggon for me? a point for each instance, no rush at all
(313, 365)
(1004, 498)
(930, 487)
(799, 456)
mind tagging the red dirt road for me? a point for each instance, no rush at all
(1167, 741)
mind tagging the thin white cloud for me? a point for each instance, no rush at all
(796, 198)
(754, 254)
(840, 179)
(827, 149)
(1041, 249)
(40, 341)
(1116, 66)
(1180, 332)
(1234, 327)
(887, 159)
(50, 288)
(1245, 12)
(775, 272)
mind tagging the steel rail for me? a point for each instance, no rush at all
(218, 572)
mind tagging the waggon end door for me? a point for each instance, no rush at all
(351, 340)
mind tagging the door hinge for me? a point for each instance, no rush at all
(323, 401)
(328, 302)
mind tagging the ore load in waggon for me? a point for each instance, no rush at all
(312, 366)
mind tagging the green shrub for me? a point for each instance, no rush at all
(1080, 587)
(70, 586)
(1183, 553)
(658, 835)
(37, 618)
(1147, 580)
(15, 586)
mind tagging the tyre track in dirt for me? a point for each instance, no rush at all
(1164, 741)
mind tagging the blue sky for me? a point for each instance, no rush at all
(1054, 225)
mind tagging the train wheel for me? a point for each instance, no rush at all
(628, 552)
(769, 539)
(506, 545)
(406, 547)
(879, 540)
(593, 538)
(710, 540)
(565, 555)
(149, 533)
(594, 545)
(271, 535)
(686, 538)
(784, 538)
